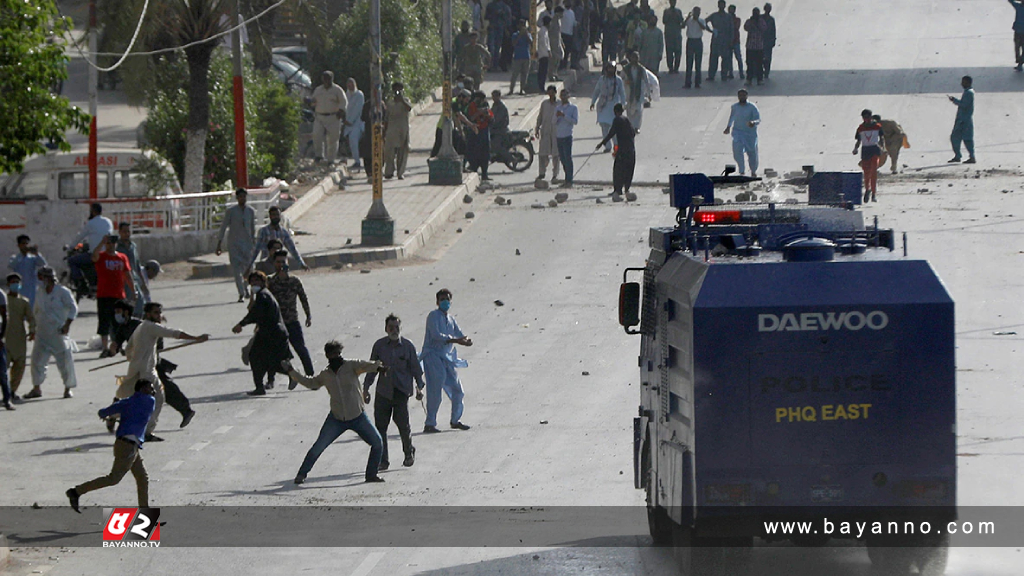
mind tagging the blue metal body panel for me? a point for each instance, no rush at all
(824, 374)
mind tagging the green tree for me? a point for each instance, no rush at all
(272, 121)
(410, 42)
(32, 60)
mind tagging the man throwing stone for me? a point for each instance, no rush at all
(440, 362)
(341, 378)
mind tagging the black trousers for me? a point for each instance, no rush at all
(397, 408)
(767, 61)
(694, 55)
(172, 394)
(755, 65)
(721, 54)
(622, 171)
(542, 72)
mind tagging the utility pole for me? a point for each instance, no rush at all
(238, 86)
(93, 81)
(378, 229)
(446, 169)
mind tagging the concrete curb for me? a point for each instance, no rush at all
(416, 240)
(313, 195)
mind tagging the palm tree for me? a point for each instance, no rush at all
(191, 21)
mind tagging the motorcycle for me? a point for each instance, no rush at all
(81, 287)
(517, 153)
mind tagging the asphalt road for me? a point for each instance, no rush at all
(558, 321)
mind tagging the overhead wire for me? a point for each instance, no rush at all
(128, 52)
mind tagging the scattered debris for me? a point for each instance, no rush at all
(599, 201)
(542, 422)
(467, 199)
(537, 205)
(561, 197)
(348, 241)
(568, 277)
(792, 201)
(770, 173)
(541, 184)
(499, 200)
(36, 506)
(666, 190)
(552, 204)
(472, 279)
(535, 557)
(585, 373)
(364, 271)
(458, 230)
(517, 252)
(999, 333)
(719, 201)
(406, 231)
(630, 196)
(499, 303)
(470, 215)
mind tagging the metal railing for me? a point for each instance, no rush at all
(183, 212)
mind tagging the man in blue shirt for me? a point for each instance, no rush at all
(135, 412)
(522, 41)
(1018, 34)
(440, 361)
(963, 126)
(394, 387)
(743, 121)
(27, 263)
(567, 115)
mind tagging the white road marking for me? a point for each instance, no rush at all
(368, 564)
(223, 430)
(172, 465)
(245, 413)
(199, 445)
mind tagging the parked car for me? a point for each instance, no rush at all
(293, 76)
(296, 53)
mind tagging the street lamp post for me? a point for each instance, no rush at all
(446, 169)
(378, 227)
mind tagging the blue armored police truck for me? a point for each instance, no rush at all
(793, 367)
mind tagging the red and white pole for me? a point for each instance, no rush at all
(93, 81)
(238, 87)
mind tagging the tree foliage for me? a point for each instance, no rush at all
(410, 44)
(32, 60)
(272, 121)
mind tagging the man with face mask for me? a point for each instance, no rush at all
(55, 309)
(27, 263)
(394, 387)
(286, 289)
(141, 351)
(19, 312)
(270, 344)
(440, 361)
(124, 327)
(272, 231)
(341, 378)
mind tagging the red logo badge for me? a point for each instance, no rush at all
(132, 525)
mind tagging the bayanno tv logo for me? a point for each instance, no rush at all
(131, 528)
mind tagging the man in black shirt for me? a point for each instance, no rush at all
(394, 387)
(625, 153)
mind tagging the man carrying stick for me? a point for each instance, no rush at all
(142, 361)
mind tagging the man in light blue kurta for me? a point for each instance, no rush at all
(241, 220)
(440, 361)
(27, 262)
(963, 126)
(743, 123)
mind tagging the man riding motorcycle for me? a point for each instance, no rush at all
(93, 233)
